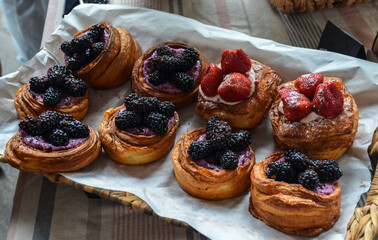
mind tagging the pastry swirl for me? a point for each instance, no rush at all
(140, 86)
(29, 159)
(204, 183)
(127, 148)
(291, 208)
(324, 138)
(249, 113)
(25, 104)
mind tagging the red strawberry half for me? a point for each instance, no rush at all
(296, 106)
(211, 79)
(328, 99)
(307, 83)
(235, 61)
(235, 87)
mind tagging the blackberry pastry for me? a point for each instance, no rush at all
(295, 194)
(169, 71)
(140, 131)
(213, 163)
(52, 143)
(316, 114)
(239, 90)
(102, 55)
(56, 90)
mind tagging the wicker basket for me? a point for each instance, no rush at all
(362, 225)
(300, 6)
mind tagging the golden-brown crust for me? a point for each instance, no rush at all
(114, 65)
(127, 148)
(139, 85)
(249, 113)
(29, 159)
(291, 208)
(326, 138)
(25, 105)
(204, 183)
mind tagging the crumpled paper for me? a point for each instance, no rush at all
(155, 182)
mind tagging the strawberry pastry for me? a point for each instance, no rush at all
(315, 114)
(239, 90)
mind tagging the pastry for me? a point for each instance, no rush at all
(52, 143)
(315, 114)
(57, 90)
(169, 71)
(213, 163)
(101, 55)
(295, 194)
(239, 90)
(140, 131)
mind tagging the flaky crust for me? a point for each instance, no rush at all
(249, 113)
(114, 65)
(29, 159)
(127, 148)
(291, 208)
(204, 183)
(326, 138)
(139, 85)
(25, 105)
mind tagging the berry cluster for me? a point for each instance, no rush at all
(220, 142)
(145, 111)
(57, 83)
(167, 68)
(298, 168)
(55, 128)
(85, 48)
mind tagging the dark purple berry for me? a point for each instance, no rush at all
(75, 87)
(157, 122)
(240, 140)
(52, 97)
(39, 84)
(199, 150)
(127, 120)
(57, 138)
(166, 108)
(30, 126)
(309, 179)
(229, 160)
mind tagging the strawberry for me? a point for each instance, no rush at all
(296, 106)
(211, 79)
(234, 88)
(307, 83)
(328, 99)
(235, 61)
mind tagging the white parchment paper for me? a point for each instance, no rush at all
(155, 182)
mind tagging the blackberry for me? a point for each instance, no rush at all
(329, 171)
(187, 59)
(127, 120)
(57, 138)
(218, 133)
(131, 97)
(297, 160)
(75, 129)
(96, 49)
(75, 87)
(240, 140)
(153, 63)
(66, 117)
(291, 151)
(157, 78)
(157, 122)
(166, 108)
(182, 81)
(52, 97)
(48, 121)
(144, 105)
(81, 43)
(83, 57)
(30, 126)
(67, 48)
(309, 179)
(39, 84)
(229, 160)
(281, 171)
(74, 63)
(96, 31)
(57, 74)
(312, 164)
(165, 64)
(163, 51)
(199, 150)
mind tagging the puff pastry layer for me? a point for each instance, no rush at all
(127, 148)
(249, 113)
(114, 65)
(139, 85)
(25, 105)
(291, 208)
(325, 138)
(29, 159)
(204, 183)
